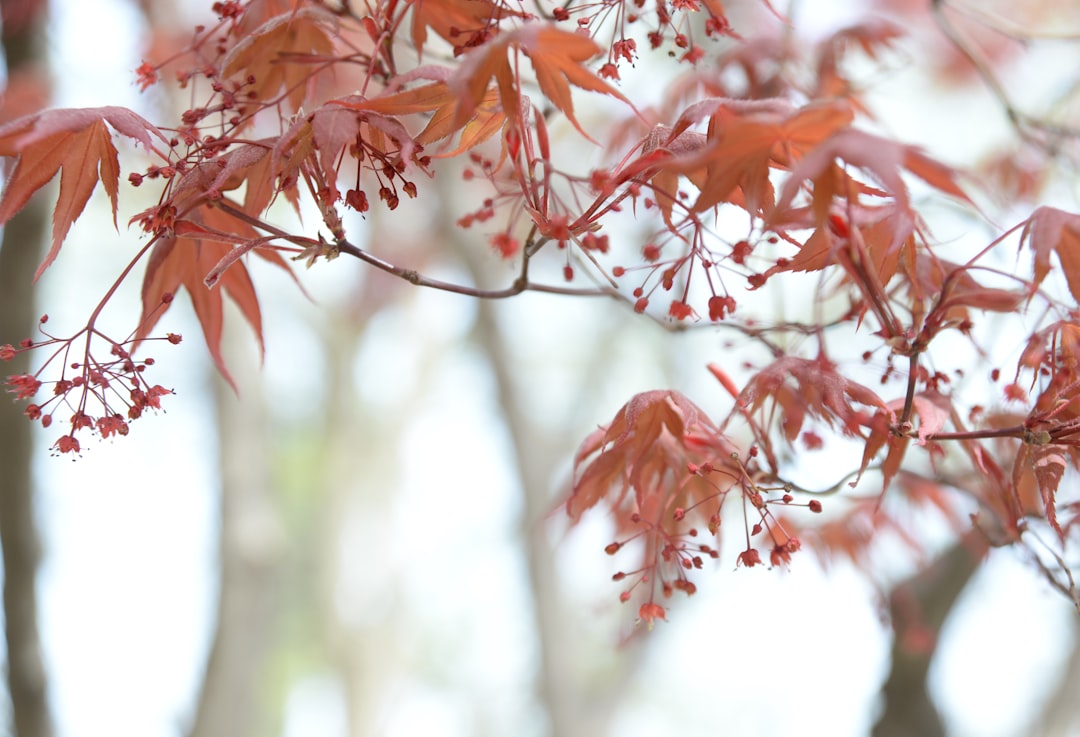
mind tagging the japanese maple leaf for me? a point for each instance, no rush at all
(1050, 230)
(799, 387)
(76, 143)
(954, 289)
(437, 99)
(747, 146)
(185, 259)
(1036, 474)
(464, 23)
(247, 163)
(335, 128)
(278, 53)
(558, 59)
(638, 463)
(888, 231)
(733, 161)
(880, 158)
(1052, 351)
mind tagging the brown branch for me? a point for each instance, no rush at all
(1016, 431)
(1068, 585)
(909, 396)
(313, 249)
(520, 284)
(1025, 125)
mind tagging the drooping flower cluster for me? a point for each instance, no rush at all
(102, 395)
(665, 472)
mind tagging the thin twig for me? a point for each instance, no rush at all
(1024, 124)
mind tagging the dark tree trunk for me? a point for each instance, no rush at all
(251, 548)
(919, 607)
(20, 251)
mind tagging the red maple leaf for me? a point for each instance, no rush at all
(185, 259)
(76, 143)
(558, 58)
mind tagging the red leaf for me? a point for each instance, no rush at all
(185, 260)
(277, 53)
(881, 158)
(76, 143)
(881, 435)
(464, 23)
(733, 161)
(558, 58)
(442, 103)
(801, 387)
(887, 230)
(646, 449)
(932, 409)
(1052, 230)
(1039, 468)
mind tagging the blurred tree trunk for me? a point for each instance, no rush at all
(575, 706)
(534, 459)
(251, 553)
(360, 653)
(919, 607)
(1060, 716)
(20, 252)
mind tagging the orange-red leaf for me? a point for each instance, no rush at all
(464, 23)
(734, 160)
(888, 232)
(881, 158)
(932, 408)
(1052, 230)
(184, 261)
(641, 458)
(867, 522)
(1036, 475)
(558, 58)
(881, 435)
(437, 99)
(278, 53)
(76, 143)
(799, 387)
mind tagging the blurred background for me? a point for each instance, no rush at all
(367, 538)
